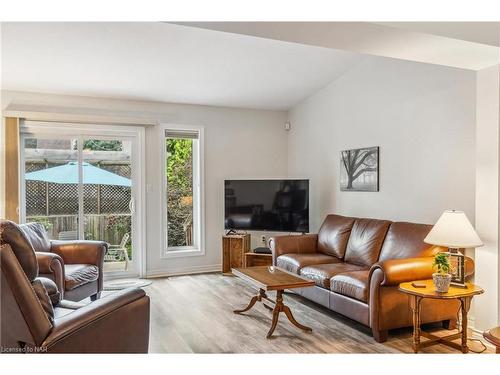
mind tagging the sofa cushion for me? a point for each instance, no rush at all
(334, 234)
(51, 288)
(352, 284)
(43, 298)
(79, 274)
(294, 262)
(365, 241)
(322, 273)
(406, 240)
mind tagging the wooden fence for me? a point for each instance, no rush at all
(105, 227)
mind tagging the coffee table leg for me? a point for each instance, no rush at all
(290, 317)
(415, 307)
(268, 307)
(276, 314)
(281, 307)
(258, 297)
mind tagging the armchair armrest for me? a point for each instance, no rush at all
(117, 323)
(78, 252)
(52, 266)
(306, 243)
(396, 271)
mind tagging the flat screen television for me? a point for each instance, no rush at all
(266, 205)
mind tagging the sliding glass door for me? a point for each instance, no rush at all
(50, 197)
(108, 206)
(85, 187)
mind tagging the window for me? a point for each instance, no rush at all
(182, 194)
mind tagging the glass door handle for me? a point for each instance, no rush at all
(131, 206)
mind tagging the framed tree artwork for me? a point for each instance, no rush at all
(359, 169)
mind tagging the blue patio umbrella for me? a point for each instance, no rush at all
(68, 174)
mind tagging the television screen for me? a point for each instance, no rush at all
(267, 205)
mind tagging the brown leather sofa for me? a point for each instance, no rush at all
(75, 266)
(34, 318)
(357, 265)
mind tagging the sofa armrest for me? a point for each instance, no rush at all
(396, 271)
(51, 265)
(306, 243)
(117, 323)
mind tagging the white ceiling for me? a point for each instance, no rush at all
(477, 32)
(266, 65)
(165, 62)
(431, 44)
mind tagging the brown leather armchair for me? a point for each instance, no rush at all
(35, 320)
(75, 266)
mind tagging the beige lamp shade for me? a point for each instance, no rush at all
(453, 230)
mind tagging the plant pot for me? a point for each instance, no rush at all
(441, 282)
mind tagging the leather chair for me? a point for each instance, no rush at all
(75, 266)
(32, 321)
(357, 265)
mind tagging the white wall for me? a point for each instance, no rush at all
(487, 197)
(238, 143)
(422, 117)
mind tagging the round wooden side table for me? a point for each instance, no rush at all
(493, 337)
(416, 294)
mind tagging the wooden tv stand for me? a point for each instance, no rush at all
(234, 247)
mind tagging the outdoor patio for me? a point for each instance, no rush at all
(51, 191)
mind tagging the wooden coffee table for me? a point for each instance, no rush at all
(464, 295)
(268, 278)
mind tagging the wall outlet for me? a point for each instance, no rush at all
(263, 240)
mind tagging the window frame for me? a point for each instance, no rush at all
(198, 249)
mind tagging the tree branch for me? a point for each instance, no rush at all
(352, 162)
(344, 161)
(363, 158)
(363, 171)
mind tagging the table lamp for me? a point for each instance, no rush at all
(454, 231)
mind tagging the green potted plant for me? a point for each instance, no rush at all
(442, 277)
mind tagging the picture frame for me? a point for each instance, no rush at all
(359, 169)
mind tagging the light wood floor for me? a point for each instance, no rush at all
(193, 314)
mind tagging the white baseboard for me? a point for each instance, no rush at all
(184, 271)
(477, 334)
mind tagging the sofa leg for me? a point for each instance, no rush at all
(380, 336)
(96, 296)
(449, 324)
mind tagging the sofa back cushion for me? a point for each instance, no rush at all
(406, 240)
(334, 234)
(365, 241)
